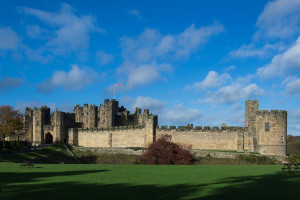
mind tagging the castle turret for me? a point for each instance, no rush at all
(272, 132)
(28, 117)
(40, 117)
(107, 112)
(251, 109)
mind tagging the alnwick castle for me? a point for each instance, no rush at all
(110, 125)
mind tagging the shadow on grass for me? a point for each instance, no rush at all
(54, 154)
(28, 186)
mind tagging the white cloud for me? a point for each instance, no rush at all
(180, 115)
(283, 64)
(75, 79)
(8, 39)
(176, 115)
(143, 75)
(212, 80)
(293, 87)
(248, 51)
(9, 83)
(34, 31)
(145, 56)
(104, 58)
(234, 92)
(136, 13)
(280, 19)
(230, 68)
(154, 106)
(71, 31)
(192, 38)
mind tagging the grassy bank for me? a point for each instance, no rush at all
(58, 154)
(57, 181)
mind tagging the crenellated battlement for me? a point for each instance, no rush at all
(282, 113)
(202, 129)
(114, 128)
(109, 125)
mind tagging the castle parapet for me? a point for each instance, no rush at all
(272, 112)
(114, 128)
(204, 129)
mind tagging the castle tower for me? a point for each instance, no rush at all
(89, 116)
(107, 112)
(251, 109)
(57, 119)
(78, 110)
(271, 129)
(28, 117)
(40, 117)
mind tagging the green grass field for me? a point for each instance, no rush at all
(84, 181)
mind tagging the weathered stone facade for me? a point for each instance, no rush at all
(265, 132)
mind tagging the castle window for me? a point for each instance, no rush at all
(267, 126)
(282, 139)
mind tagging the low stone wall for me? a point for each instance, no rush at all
(113, 150)
(197, 152)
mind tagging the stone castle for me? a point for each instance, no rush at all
(109, 125)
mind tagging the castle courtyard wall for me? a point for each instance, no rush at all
(113, 137)
(217, 139)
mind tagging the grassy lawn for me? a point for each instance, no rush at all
(84, 181)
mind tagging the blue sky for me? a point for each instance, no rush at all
(187, 61)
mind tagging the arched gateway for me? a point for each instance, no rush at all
(48, 138)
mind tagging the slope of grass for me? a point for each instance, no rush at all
(50, 154)
(49, 181)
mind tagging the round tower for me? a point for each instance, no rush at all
(272, 132)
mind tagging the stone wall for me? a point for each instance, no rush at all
(272, 132)
(120, 136)
(227, 138)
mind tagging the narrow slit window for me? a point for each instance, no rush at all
(267, 126)
(282, 139)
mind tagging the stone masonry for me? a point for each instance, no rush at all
(111, 126)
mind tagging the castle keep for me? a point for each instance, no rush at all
(109, 125)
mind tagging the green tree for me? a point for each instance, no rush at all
(10, 121)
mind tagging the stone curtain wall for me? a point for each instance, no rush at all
(227, 138)
(127, 136)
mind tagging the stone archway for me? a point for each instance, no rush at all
(49, 138)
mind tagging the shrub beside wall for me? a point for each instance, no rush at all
(165, 152)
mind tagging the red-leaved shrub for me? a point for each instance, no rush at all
(165, 152)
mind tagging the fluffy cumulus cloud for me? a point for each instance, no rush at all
(233, 93)
(71, 32)
(212, 80)
(280, 19)
(153, 105)
(144, 56)
(143, 75)
(178, 114)
(293, 86)
(8, 38)
(221, 88)
(283, 64)
(277, 25)
(9, 83)
(75, 79)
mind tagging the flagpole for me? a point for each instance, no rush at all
(114, 91)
